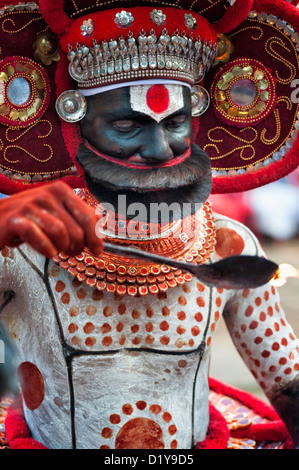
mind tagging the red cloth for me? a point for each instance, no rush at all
(18, 434)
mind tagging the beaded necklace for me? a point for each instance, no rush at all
(135, 277)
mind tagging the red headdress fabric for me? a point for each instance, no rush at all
(253, 142)
(117, 46)
(249, 130)
(222, 14)
(32, 147)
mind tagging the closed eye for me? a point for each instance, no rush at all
(125, 125)
(176, 121)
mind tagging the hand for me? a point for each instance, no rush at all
(50, 219)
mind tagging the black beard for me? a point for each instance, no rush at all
(184, 187)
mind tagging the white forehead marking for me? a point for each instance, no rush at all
(157, 101)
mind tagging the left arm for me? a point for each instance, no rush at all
(268, 346)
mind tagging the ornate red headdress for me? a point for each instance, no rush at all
(249, 129)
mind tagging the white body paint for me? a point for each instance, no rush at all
(153, 351)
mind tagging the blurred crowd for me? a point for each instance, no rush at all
(271, 211)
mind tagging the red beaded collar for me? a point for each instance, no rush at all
(120, 275)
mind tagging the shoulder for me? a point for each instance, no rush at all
(234, 238)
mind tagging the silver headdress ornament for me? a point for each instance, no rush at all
(179, 56)
(176, 56)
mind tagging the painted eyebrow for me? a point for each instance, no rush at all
(184, 110)
(122, 114)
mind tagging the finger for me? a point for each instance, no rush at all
(75, 233)
(52, 227)
(79, 218)
(27, 231)
(49, 212)
(86, 218)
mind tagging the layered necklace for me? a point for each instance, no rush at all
(191, 239)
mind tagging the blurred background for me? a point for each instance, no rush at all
(272, 213)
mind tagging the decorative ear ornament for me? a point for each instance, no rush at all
(200, 100)
(71, 106)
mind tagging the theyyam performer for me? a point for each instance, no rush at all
(108, 112)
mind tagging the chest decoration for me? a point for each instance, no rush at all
(191, 240)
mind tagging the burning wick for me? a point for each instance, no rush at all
(284, 271)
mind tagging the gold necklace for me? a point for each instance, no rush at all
(121, 275)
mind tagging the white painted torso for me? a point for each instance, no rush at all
(121, 371)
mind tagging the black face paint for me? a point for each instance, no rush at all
(114, 129)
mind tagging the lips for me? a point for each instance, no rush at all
(139, 163)
(136, 159)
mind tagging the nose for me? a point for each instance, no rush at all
(156, 147)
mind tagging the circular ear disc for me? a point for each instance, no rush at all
(200, 100)
(71, 106)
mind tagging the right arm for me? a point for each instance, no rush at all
(50, 219)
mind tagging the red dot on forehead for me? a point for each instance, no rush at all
(157, 98)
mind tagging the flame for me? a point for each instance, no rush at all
(284, 271)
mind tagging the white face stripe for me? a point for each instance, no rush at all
(151, 81)
(169, 99)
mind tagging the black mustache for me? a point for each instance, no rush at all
(192, 170)
(189, 182)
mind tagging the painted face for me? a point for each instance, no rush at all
(140, 126)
